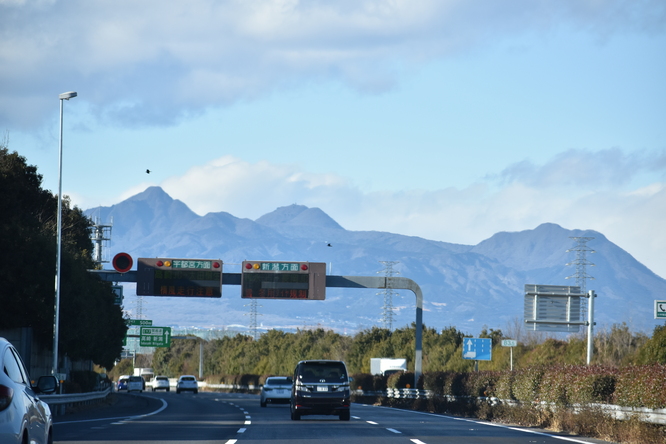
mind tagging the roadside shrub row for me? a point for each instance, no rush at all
(634, 386)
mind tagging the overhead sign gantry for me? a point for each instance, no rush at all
(146, 275)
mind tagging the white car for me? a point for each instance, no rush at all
(187, 383)
(160, 383)
(135, 384)
(23, 416)
(276, 389)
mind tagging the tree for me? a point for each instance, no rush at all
(654, 350)
(91, 326)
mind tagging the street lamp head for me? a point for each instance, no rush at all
(67, 95)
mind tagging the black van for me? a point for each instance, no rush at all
(320, 388)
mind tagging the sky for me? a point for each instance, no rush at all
(450, 120)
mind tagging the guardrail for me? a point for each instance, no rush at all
(58, 403)
(653, 416)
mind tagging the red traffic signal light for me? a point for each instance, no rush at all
(122, 262)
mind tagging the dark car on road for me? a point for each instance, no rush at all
(320, 388)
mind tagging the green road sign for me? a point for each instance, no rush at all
(659, 309)
(155, 337)
(141, 322)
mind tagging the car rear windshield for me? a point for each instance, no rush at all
(187, 378)
(278, 381)
(162, 378)
(333, 372)
(135, 378)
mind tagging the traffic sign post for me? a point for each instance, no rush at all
(660, 309)
(155, 337)
(478, 349)
(510, 343)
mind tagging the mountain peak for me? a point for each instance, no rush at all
(298, 215)
(153, 194)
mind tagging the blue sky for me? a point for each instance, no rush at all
(449, 120)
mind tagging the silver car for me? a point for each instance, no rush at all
(23, 416)
(276, 389)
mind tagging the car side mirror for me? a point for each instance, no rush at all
(46, 385)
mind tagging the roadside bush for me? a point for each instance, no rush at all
(591, 384)
(401, 380)
(434, 381)
(363, 381)
(480, 383)
(504, 387)
(527, 384)
(552, 386)
(643, 386)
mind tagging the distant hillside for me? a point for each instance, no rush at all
(468, 287)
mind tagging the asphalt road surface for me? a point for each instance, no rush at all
(229, 418)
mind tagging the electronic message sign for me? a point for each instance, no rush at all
(283, 280)
(179, 277)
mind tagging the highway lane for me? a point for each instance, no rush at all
(223, 418)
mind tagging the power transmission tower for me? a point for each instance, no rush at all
(253, 318)
(581, 264)
(388, 314)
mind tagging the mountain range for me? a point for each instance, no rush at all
(469, 287)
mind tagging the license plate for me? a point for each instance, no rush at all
(322, 388)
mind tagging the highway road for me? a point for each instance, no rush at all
(228, 418)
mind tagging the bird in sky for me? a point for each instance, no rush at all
(147, 171)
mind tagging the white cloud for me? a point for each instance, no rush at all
(633, 219)
(171, 58)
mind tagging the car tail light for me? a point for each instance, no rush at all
(6, 395)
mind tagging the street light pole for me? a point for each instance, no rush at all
(56, 317)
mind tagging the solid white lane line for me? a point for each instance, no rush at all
(121, 418)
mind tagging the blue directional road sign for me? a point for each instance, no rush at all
(478, 349)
